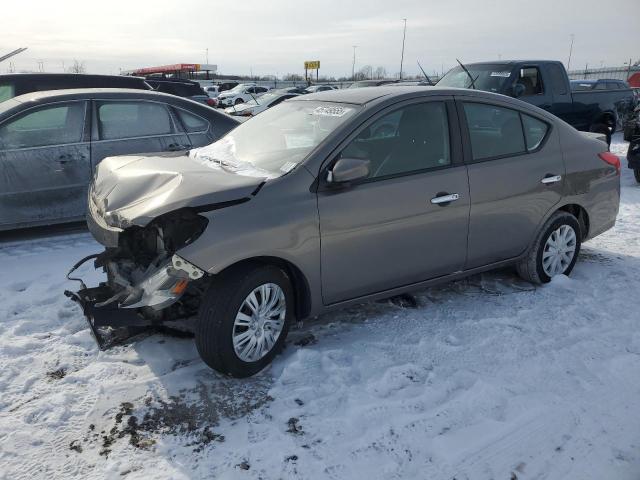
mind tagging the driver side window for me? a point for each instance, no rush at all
(410, 139)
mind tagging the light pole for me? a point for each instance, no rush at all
(404, 35)
(570, 52)
(353, 67)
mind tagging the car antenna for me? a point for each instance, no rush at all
(425, 74)
(473, 82)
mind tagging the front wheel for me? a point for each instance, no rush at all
(636, 173)
(244, 319)
(238, 101)
(554, 251)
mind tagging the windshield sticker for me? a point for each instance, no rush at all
(336, 111)
(501, 74)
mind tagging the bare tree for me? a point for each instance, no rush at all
(364, 73)
(292, 77)
(77, 67)
(380, 73)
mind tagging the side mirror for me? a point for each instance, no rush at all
(348, 170)
(518, 90)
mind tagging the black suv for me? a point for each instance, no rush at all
(181, 88)
(14, 84)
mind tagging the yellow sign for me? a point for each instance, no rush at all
(312, 65)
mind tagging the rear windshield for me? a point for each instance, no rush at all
(7, 91)
(487, 77)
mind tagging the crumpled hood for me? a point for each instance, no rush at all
(136, 189)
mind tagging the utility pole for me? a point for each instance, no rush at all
(353, 67)
(570, 52)
(207, 56)
(404, 35)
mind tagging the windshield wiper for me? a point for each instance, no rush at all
(425, 75)
(473, 81)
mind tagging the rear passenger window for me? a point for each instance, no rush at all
(117, 120)
(192, 123)
(494, 131)
(534, 131)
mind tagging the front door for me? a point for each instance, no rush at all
(44, 165)
(394, 228)
(124, 127)
(516, 176)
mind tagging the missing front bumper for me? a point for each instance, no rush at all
(107, 308)
(109, 316)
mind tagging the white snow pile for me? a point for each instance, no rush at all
(488, 378)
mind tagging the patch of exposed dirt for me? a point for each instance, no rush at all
(192, 414)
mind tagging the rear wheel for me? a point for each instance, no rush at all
(244, 319)
(636, 173)
(554, 251)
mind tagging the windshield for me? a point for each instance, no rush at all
(237, 89)
(488, 77)
(263, 99)
(274, 142)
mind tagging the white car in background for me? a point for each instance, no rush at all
(240, 94)
(260, 104)
(213, 91)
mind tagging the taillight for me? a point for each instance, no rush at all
(211, 102)
(611, 159)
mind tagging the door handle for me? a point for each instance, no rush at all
(551, 179)
(443, 199)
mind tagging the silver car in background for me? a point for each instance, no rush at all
(331, 199)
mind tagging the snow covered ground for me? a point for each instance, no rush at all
(489, 378)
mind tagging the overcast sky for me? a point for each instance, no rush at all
(276, 36)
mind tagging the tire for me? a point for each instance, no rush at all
(531, 267)
(636, 173)
(238, 101)
(217, 316)
(602, 128)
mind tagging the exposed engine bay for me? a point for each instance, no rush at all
(147, 282)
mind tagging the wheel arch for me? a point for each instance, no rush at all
(580, 213)
(299, 282)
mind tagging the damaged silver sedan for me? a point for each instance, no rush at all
(336, 198)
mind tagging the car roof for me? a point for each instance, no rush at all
(9, 76)
(81, 93)
(361, 96)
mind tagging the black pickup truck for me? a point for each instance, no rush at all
(545, 84)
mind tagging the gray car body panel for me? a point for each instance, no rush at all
(36, 189)
(357, 248)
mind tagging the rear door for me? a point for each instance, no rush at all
(394, 228)
(562, 105)
(516, 175)
(123, 127)
(44, 164)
